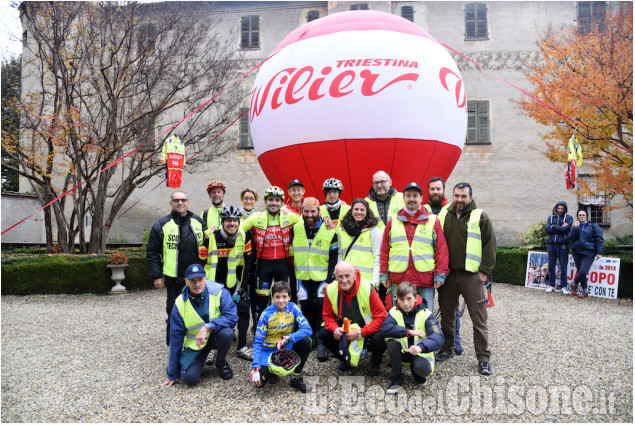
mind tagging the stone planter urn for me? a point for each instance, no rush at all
(117, 276)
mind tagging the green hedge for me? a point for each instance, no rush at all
(80, 274)
(69, 274)
(511, 265)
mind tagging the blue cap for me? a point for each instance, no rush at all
(195, 270)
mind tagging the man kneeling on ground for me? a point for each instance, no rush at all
(203, 311)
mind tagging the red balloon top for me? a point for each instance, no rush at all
(353, 21)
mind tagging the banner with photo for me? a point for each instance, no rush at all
(602, 279)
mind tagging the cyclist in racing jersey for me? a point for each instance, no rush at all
(272, 238)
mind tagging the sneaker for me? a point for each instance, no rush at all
(458, 348)
(396, 383)
(574, 291)
(344, 366)
(419, 382)
(484, 368)
(225, 372)
(583, 294)
(322, 353)
(442, 356)
(549, 289)
(245, 353)
(211, 358)
(373, 372)
(558, 289)
(300, 385)
(566, 291)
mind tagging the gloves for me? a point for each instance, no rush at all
(236, 297)
(283, 341)
(255, 375)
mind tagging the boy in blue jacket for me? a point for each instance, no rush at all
(204, 310)
(412, 336)
(281, 325)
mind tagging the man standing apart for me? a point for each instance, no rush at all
(414, 249)
(558, 227)
(472, 246)
(173, 245)
(314, 259)
(437, 202)
(383, 199)
(272, 237)
(216, 192)
(205, 310)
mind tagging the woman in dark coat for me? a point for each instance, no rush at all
(587, 244)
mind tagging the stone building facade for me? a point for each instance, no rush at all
(512, 181)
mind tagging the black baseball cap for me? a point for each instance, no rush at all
(295, 182)
(413, 185)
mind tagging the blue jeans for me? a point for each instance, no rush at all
(558, 252)
(425, 293)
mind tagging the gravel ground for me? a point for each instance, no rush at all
(83, 358)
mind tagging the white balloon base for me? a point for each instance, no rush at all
(117, 276)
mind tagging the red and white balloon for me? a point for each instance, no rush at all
(353, 93)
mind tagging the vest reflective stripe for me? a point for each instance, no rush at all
(213, 216)
(396, 204)
(324, 212)
(473, 247)
(234, 259)
(360, 254)
(421, 248)
(420, 324)
(193, 321)
(171, 233)
(311, 262)
(356, 347)
(363, 298)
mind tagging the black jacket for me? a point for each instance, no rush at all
(558, 232)
(188, 245)
(435, 338)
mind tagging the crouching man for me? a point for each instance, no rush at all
(203, 318)
(412, 336)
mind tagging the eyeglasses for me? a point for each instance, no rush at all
(176, 201)
(377, 183)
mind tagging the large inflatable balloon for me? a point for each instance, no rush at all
(353, 93)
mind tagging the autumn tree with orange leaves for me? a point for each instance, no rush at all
(588, 76)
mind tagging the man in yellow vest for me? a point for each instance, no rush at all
(472, 245)
(383, 199)
(174, 243)
(414, 249)
(412, 336)
(437, 202)
(314, 258)
(216, 192)
(355, 299)
(203, 317)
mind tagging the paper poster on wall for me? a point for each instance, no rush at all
(602, 279)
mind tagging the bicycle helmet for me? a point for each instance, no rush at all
(283, 362)
(332, 183)
(230, 211)
(274, 191)
(216, 183)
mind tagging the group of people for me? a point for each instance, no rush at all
(587, 244)
(344, 280)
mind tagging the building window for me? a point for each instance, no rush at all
(359, 6)
(596, 204)
(244, 141)
(146, 37)
(312, 15)
(475, 21)
(478, 122)
(144, 132)
(590, 15)
(250, 32)
(408, 13)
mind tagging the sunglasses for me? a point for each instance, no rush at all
(176, 201)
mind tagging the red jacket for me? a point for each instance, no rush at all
(377, 309)
(441, 259)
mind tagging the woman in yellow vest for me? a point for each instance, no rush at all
(412, 336)
(359, 242)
